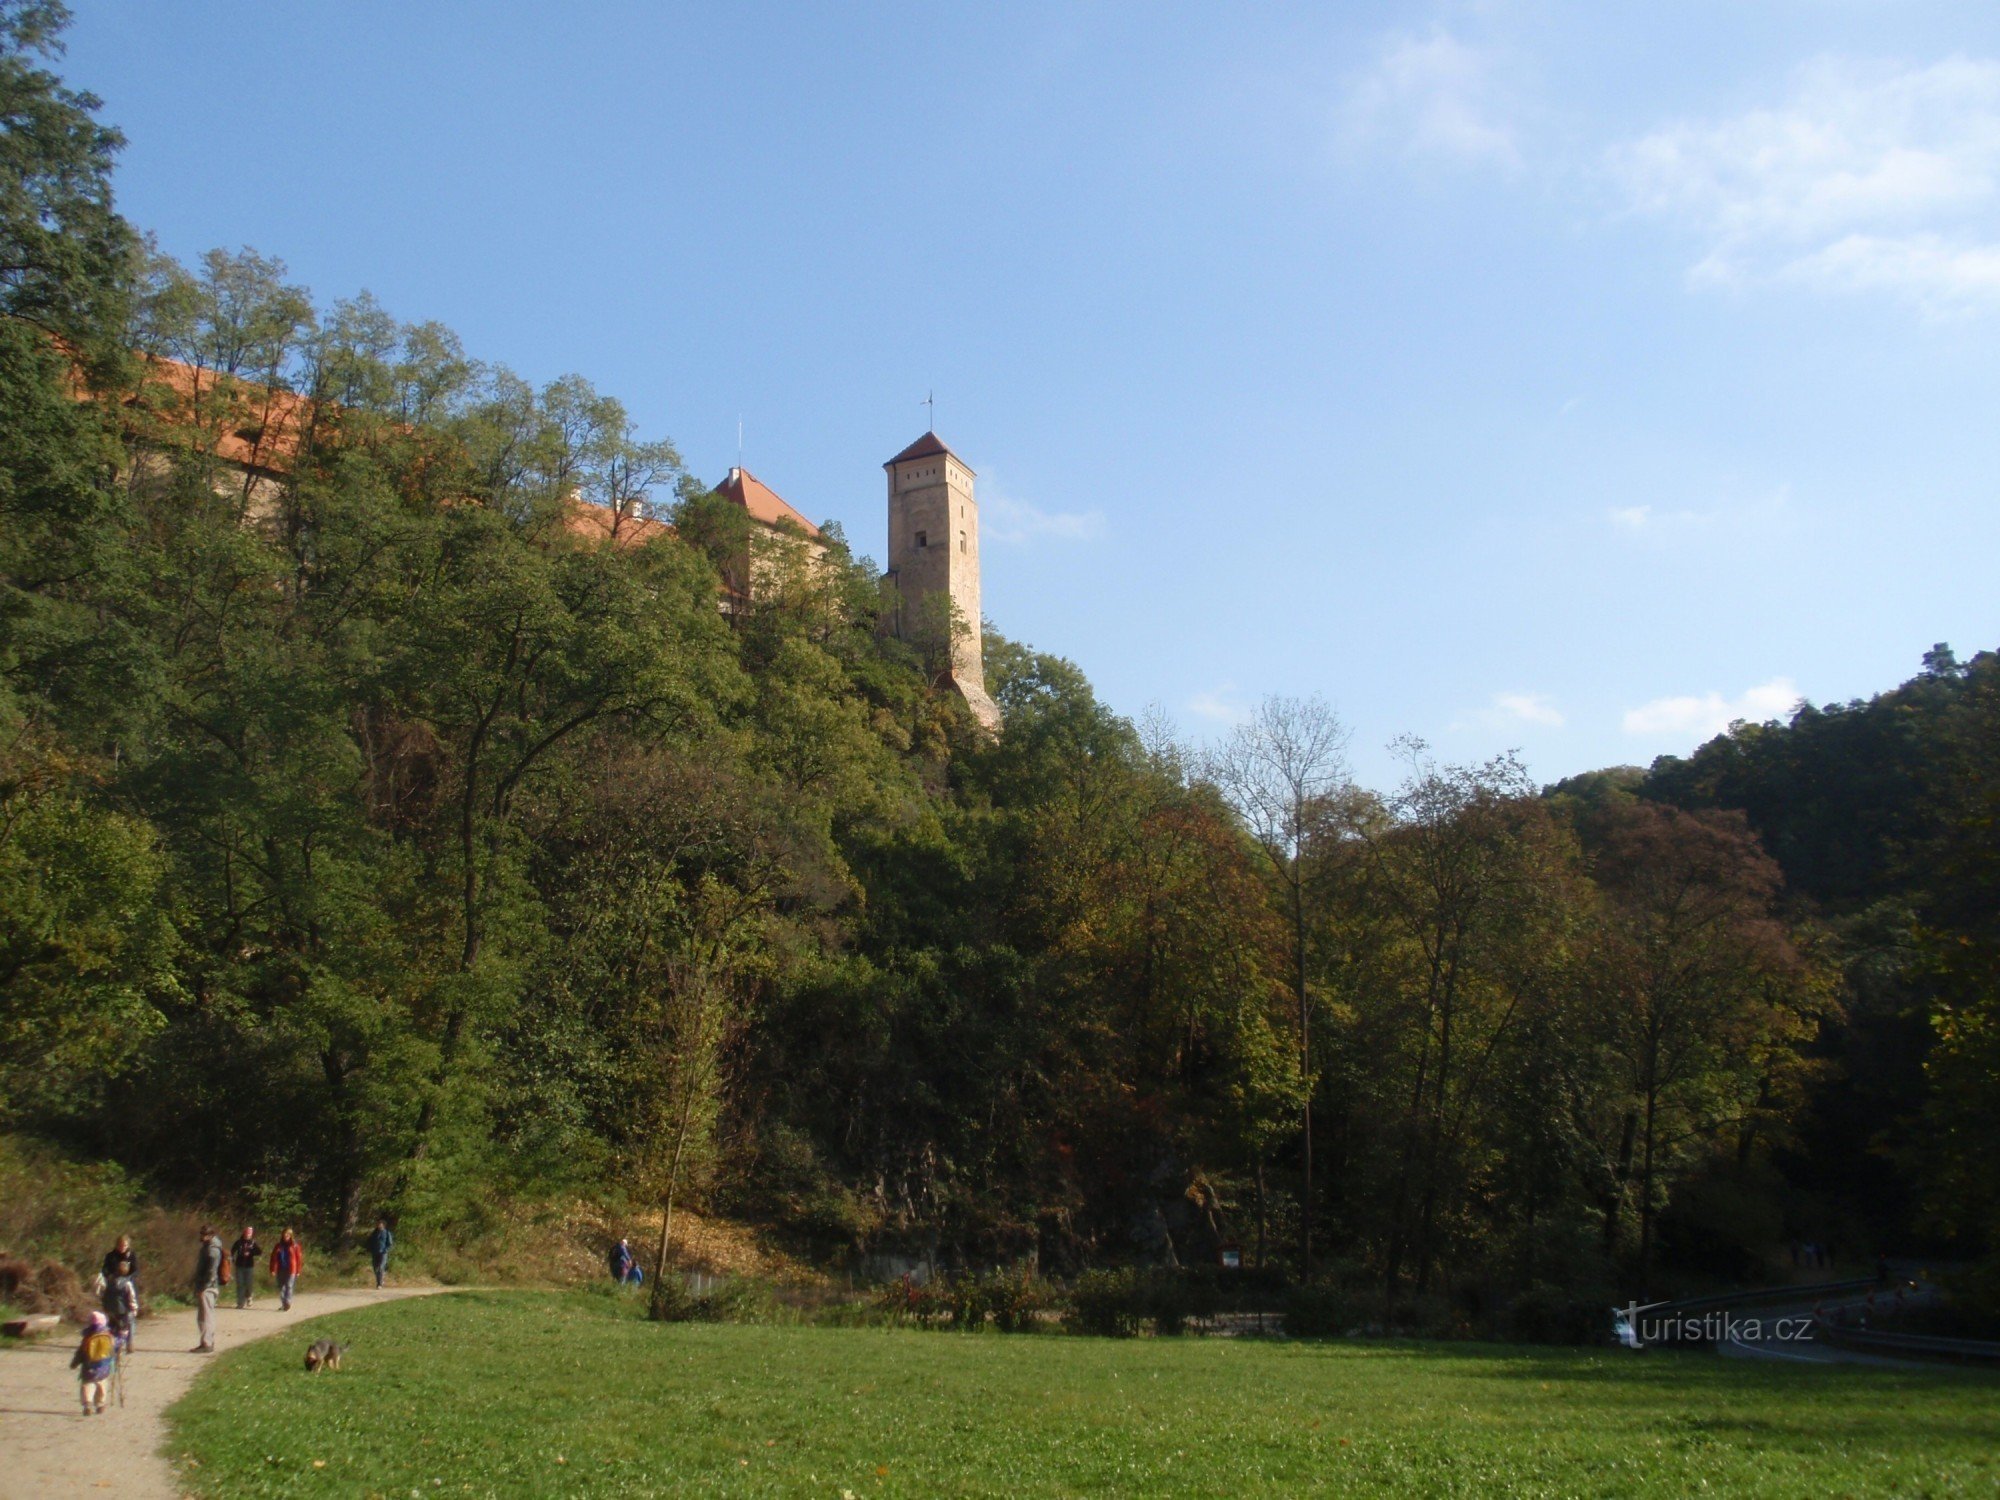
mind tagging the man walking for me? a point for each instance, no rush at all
(287, 1260)
(207, 1280)
(380, 1242)
(243, 1256)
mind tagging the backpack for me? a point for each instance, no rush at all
(222, 1275)
(99, 1347)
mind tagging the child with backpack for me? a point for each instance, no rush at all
(94, 1358)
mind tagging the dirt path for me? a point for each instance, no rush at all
(48, 1448)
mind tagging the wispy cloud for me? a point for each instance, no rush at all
(1528, 708)
(1774, 508)
(1432, 95)
(1014, 522)
(1707, 715)
(1513, 710)
(1217, 707)
(1867, 177)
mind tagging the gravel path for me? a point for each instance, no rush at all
(48, 1448)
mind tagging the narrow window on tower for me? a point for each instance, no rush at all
(961, 541)
(923, 539)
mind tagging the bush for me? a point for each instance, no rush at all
(1321, 1309)
(1010, 1299)
(1105, 1303)
(1015, 1297)
(1548, 1314)
(737, 1300)
(963, 1298)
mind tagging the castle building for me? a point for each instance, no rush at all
(932, 583)
(933, 573)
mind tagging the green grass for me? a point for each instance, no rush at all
(516, 1393)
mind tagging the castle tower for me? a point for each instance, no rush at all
(934, 555)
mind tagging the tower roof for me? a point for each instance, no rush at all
(764, 503)
(930, 445)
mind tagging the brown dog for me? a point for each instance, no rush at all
(324, 1355)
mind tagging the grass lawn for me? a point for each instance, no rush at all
(525, 1393)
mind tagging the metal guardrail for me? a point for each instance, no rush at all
(1921, 1345)
(1812, 1291)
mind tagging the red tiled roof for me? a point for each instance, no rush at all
(599, 523)
(930, 445)
(764, 503)
(260, 426)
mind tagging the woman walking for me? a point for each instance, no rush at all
(288, 1258)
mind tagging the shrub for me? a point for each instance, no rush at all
(1015, 1297)
(736, 1300)
(963, 1298)
(1321, 1309)
(1105, 1303)
(1548, 1314)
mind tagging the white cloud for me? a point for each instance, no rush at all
(1704, 717)
(1512, 710)
(1528, 708)
(1772, 509)
(1016, 522)
(1435, 96)
(1868, 177)
(1216, 707)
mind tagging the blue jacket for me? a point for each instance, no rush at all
(380, 1242)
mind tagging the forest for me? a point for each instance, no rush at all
(371, 841)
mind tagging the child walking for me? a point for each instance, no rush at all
(93, 1360)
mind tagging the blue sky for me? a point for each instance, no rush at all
(1548, 375)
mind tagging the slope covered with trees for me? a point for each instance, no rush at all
(373, 840)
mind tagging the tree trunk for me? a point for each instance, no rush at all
(1305, 1065)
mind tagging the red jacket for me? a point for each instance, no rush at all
(288, 1259)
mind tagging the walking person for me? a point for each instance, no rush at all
(288, 1258)
(380, 1242)
(121, 1306)
(209, 1262)
(243, 1257)
(93, 1361)
(121, 1260)
(121, 1265)
(623, 1262)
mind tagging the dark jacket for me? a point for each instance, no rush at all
(621, 1261)
(380, 1242)
(117, 1264)
(208, 1265)
(244, 1252)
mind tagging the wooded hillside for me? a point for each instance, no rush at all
(371, 841)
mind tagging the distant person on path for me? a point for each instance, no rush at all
(94, 1357)
(206, 1282)
(380, 1242)
(625, 1265)
(243, 1258)
(121, 1260)
(121, 1264)
(121, 1300)
(288, 1258)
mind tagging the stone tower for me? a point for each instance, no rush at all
(934, 554)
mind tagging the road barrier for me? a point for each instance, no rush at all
(1862, 1340)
